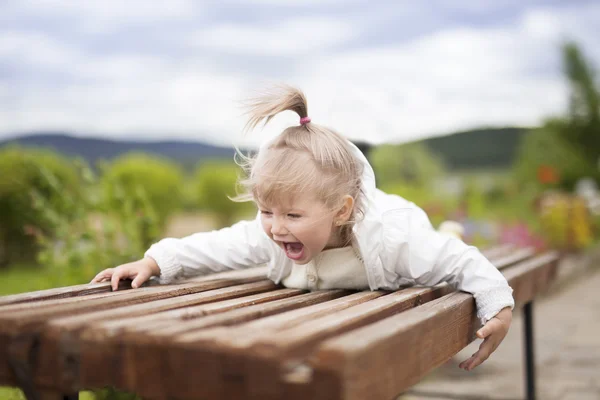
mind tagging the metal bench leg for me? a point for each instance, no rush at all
(529, 354)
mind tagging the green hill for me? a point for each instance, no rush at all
(479, 148)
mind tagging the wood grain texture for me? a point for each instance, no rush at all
(62, 292)
(54, 364)
(103, 341)
(30, 318)
(164, 346)
(383, 359)
(237, 335)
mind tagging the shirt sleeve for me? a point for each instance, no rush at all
(428, 257)
(240, 246)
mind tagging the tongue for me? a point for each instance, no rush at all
(294, 250)
(295, 247)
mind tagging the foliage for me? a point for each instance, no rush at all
(160, 180)
(409, 164)
(215, 181)
(547, 147)
(20, 278)
(584, 109)
(568, 147)
(103, 233)
(23, 172)
(566, 221)
(7, 393)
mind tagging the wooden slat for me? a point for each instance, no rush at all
(153, 307)
(497, 251)
(33, 313)
(135, 382)
(62, 292)
(226, 351)
(30, 320)
(293, 318)
(381, 360)
(513, 257)
(63, 332)
(88, 289)
(154, 322)
(149, 350)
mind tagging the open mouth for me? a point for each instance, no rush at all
(294, 250)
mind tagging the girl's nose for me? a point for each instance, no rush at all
(278, 228)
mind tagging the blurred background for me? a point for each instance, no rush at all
(118, 119)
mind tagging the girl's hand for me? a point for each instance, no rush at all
(493, 332)
(140, 271)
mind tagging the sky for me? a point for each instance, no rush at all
(377, 71)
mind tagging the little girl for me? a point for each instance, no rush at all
(323, 224)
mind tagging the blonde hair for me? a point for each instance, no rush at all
(307, 158)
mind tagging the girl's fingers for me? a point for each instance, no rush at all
(120, 273)
(465, 364)
(102, 276)
(488, 328)
(140, 279)
(485, 350)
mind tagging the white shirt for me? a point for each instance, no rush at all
(339, 268)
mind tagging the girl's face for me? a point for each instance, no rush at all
(302, 229)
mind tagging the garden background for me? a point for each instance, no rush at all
(71, 207)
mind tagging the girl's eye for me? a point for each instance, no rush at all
(265, 212)
(294, 215)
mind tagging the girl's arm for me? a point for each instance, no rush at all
(429, 257)
(242, 245)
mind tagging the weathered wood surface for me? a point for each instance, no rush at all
(238, 335)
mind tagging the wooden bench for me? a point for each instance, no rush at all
(238, 335)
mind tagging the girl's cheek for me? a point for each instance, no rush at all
(265, 225)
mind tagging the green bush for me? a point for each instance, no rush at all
(215, 181)
(546, 147)
(409, 164)
(160, 180)
(25, 173)
(101, 233)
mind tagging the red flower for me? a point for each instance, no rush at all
(547, 174)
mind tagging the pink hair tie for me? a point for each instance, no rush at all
(304, 120)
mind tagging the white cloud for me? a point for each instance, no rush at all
(452, 78)
(33, 49)
(291, 37)
(105, 15)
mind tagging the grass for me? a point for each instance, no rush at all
(24, 278)
(8, 393)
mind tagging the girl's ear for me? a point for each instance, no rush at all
(343, 215)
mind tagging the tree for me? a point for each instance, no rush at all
(583, 128)
(140, 177)
(411, 164)
(25, 173)
(215, 182)
(565, 149)
(547, 158)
